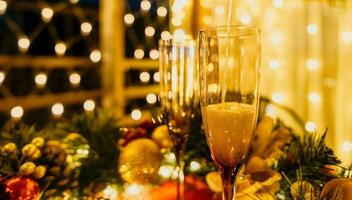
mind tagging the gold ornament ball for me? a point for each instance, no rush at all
(161, 136)
(139, 161)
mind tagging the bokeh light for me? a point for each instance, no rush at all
(17, 112)
(161, 11)
(86, 28)
(47, 14)
(89, 105)
(144, 77)
(139, 53)
(136, 114)
(60, 48)
(128, 18)
(57, 109)
(95, 56)
(23, 43)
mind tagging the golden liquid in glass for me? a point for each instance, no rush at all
(229, 128)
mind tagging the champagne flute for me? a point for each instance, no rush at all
(229, 59)
(179, 95)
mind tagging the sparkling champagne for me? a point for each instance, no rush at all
(229, 129)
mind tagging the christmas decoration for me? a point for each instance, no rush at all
(195, 189)
(139, 161)
(20, 188)
(340, 188)
(161, 136)
(91, 156)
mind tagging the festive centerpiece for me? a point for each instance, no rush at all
(92, 156)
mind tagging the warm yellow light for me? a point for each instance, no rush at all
(110, 193)
(95, 55)
(194, 166)
(270, 111)
(346, 36)
(149, 31)
(165, 35)
(47, 14)
(57, 109)
(312, 64)
(60, 48)
(128, 18)
(3, 6)
(151, 98)
(277, 38)
(346, 146)
(179, 34)
(277, 97)
(176, 21)
(206, 3)
(165, 171)
(86, 28)
(17, 112)
(75, 78)
(136, 114)
(162, 11)
(145, 5)
(139, 53)
(245, 19)
(278, 3)
(178, 5)
(170, 157)
(133, 189)
(329, 82)
(144, 77)
(156, 77)
(314, 97)
(154, 54)
(207, 20)
(74, 1)
(23, 43)
(40, 79)
(213, 88)
(219, 10)
(310, 126)
(89, 105)
(2, 77)
(275, 64)
(312, 29)
(210, 67)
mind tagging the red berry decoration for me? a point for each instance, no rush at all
(131, 134)
(20, 188)
(148, 125)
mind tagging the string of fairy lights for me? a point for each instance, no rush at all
(145, 47)
(24, 42)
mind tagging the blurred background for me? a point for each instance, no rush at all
(60, 57)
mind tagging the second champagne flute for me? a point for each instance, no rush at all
(179, 95)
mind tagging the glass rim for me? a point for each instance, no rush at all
(252, 31)
(173, 41)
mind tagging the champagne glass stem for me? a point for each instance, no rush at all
(228, 177)
(180, 149)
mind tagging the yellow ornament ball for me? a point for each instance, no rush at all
(139, 161)
(161, 136)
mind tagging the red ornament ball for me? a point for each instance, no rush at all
(195, 189)
(20, 188)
